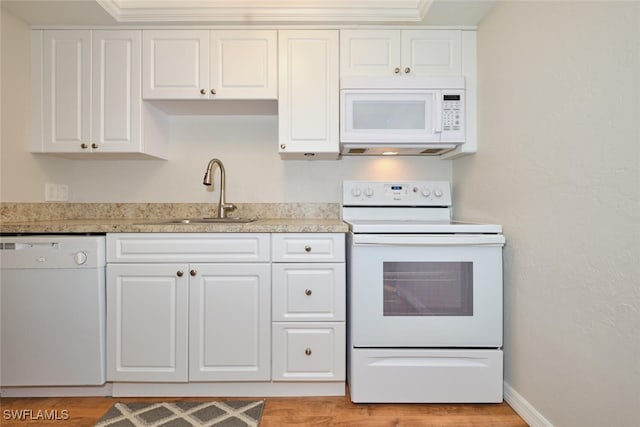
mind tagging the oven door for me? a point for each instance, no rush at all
(425, 290)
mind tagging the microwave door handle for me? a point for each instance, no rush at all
(438, 99)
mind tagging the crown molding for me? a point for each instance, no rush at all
(267, 11)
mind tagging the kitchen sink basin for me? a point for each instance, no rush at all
(201, 221)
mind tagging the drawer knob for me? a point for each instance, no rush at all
(307, 351)
(213, 91)
(307, 248)
(307, 292)
(193, 273)
(84, 146)
(180, 273)
(203, 92)
(94, 145)
(397, 70)
(407, 70)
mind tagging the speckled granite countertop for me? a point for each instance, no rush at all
(146, 218)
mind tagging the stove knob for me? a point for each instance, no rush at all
(437, 192)
(356, 192)
(426, 192)
(368, 192)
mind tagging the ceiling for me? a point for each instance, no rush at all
(243, 12)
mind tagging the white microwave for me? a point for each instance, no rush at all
(401, 115)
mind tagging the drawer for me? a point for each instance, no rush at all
(308, 291)
(308, 352)
(188, 247)
(308, 247)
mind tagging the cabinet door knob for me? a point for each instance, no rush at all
(94, 145)
(203, 92)
(213, 91)
(308, 292)
(283, 146)
(407, 70)
(307, 248)
(307, 351)
(193, 272)
(397, 70)
(180, 273)
(84, 146)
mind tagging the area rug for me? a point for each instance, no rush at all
(230, 413)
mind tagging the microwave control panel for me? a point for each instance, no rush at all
(452, 111)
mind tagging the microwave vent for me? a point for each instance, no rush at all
(432, 151)
(357, 150)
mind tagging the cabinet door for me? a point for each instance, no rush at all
(147, 321)
(230, 322)
(175, 64)
(369, 52)
(66, 122)
(308, 94)
(116, 91)
(431, 52)
(244, 64)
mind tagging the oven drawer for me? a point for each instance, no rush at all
(308, 291)
(308, 352)
(425, 376)
(308, 247)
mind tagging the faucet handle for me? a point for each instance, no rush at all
(228, 206)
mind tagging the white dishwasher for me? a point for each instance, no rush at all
(52, 310)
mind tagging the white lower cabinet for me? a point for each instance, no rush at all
(147, 322)
(179, 322)
(309, 351)
(308, 307)
(223, 308)
(229, 315)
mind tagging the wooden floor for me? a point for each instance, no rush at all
(283, 412)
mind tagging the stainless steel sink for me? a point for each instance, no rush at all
(200, 221)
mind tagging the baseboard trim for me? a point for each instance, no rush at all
(80, 391)
(525, 409)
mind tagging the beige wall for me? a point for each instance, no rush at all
(558, 166)
(22, 176)
(246, 144)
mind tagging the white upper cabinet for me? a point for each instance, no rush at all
(116, 105)
(400, 52)
(175, 64)
(65, 81)
(308, 99)
(203, 64)
(244, 64)
(86, 95)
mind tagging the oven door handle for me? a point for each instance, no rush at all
(428, 240)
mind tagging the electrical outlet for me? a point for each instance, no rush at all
(56, 192)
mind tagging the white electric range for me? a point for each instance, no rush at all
(424, 296)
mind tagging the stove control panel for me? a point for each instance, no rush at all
(396, 193)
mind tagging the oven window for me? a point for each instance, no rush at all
(428, 289)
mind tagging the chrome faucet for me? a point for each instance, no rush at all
(223, 206)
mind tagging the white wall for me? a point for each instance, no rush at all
(558, 166)
(246, 144)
